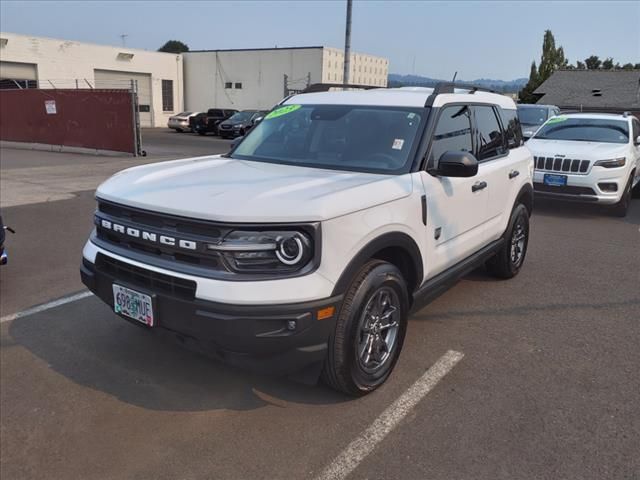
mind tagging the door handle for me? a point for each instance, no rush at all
(478, 186)
(513, 174)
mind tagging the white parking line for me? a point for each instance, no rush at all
(362, 446)
(46, 306)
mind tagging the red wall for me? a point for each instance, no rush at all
(100, 119)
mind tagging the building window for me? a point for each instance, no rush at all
(228, 85)
(167, 95)
(238, 85)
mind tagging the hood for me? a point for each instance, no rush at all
(234, 122)
(229, 190)
(579, 150)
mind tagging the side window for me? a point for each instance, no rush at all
(453, 131)
(511, 123)
(635, 129)
(490, 141)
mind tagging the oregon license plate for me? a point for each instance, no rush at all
(133, 304)
(555, 180)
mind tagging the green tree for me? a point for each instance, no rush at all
(580, 65)
(636, 66)
(526, 94)
(552, 59)
(608, 64)
(627, 66)
(593, 62)
(174, 46)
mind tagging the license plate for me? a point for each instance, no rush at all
(133, 304)
(555, 180)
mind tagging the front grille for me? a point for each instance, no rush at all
(146, 279)
(199, 232)
(559, 164)
(225, 127)
(566, 189)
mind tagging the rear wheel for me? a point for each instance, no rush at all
(369, 331)
(509, 259)
(621, 208)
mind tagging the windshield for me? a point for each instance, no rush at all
(241, 116)
(585, 130)
(342, 137)
(532, 116)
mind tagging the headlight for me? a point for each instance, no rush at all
(614, 163)
(265, 252)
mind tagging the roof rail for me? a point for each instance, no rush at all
(325, 87)
(450, 87)
(626, 114)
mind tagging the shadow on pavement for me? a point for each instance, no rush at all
(91, 346)
(551, 208)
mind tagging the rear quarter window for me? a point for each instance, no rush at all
(513, 129)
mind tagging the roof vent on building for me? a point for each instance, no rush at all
(596, 92)
(125, 56)
(3, 42)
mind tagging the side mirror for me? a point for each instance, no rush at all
(637, 142)
(235, 142)
(256, 121)
(457, 163)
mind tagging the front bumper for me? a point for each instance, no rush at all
(582, 188)
(276, 339)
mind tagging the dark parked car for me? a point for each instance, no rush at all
(208, 122)
(533, 116)
(240, 123)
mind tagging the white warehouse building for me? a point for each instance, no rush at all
(260, 78)
(30, 62)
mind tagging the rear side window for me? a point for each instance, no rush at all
(490, 141)
(636, 129)
(511, 123)
(453, 132)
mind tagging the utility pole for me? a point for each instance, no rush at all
(347, 45)
(124, 39)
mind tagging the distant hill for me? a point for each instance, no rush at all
(509, 86)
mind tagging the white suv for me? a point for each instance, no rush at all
(588, 157)
(305, 248)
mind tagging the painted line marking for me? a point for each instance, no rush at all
(46, 306)
(358, 449)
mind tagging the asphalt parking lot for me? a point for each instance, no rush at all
(547, 384)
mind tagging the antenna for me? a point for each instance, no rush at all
(124, 39)
(454, 76)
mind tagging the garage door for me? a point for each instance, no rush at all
(18, 75)
(114, 79)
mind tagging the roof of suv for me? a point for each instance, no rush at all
(601, 116)
(400, 97)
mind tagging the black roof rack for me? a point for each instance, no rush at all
(325, 87)
(450, 87)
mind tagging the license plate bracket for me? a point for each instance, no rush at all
(133, 304)
(555, 180)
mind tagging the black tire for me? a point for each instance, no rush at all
(359, 321)
(510, 258)
(202, 133)
(621, 208)
(179, 130)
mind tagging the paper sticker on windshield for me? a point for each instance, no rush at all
(397, 144)
(278, 112)
(411, 116)
(556, 120)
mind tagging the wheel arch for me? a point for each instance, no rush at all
(396, 248)
(525, 196)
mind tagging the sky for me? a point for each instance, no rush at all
(479, 39)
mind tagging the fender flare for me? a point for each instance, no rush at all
(391, 239)
(525, 196)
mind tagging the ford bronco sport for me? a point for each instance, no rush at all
(306, 247)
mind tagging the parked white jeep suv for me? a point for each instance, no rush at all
(306, 247)
(588, 157)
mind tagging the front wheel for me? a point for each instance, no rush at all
(369, 331)
(508, 261)
(621, 208)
